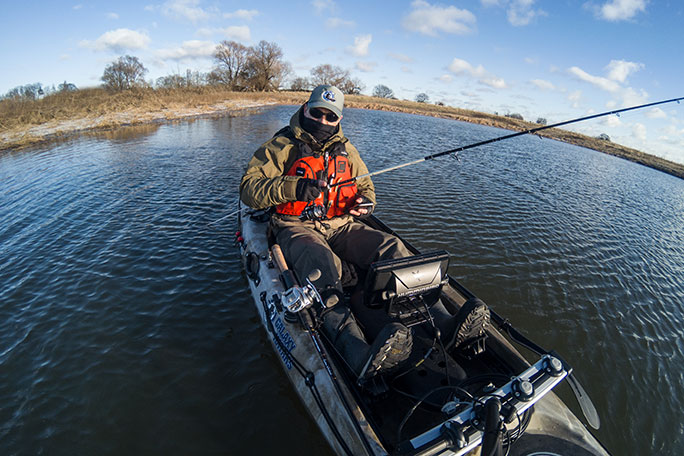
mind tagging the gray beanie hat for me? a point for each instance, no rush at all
(329, 97)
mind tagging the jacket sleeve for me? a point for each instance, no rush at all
(263, 184)
(364, 185)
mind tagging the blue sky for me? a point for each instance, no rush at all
(555, 59)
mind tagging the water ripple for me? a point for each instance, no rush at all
(124, 316)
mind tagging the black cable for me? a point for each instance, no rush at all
(436, 332)
(422, 399)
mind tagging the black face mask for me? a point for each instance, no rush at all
(316, 129)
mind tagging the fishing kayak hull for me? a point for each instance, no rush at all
(344, 417)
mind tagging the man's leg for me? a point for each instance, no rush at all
(362, 245)
(306, 249)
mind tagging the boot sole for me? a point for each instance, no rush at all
(395, 350)
(474, 324)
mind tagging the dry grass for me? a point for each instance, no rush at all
(28, 122)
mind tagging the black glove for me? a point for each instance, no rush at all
(365, 204)
(307, 190)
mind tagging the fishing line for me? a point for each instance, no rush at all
(501, 138)
(225, 217)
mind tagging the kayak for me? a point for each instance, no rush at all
(448, 398)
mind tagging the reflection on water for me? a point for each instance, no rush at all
(127, 133)
(125, 327)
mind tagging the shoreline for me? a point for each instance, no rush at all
(232, 104)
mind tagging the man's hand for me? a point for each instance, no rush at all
(362, 208)
(308, 189)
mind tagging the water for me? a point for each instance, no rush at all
(125, 326)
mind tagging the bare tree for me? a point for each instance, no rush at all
(171, 81)
(422, 98)
(328, 74)
(125, 73)
(25, 92)
(265, 69)
(352, 86)
(382, 91)
(339, 77)
(231, 58)
(67, 87)
(300, 84)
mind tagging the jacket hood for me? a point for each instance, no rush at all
(306, 137)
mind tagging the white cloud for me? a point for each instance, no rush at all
(323, 6)
(366, 66)
(598, 81)
(494, 82)
(619, 70)
(189, 50)
(521, 12)
(620, 10)
(447, 78)
(360, 47)
(575, 98)
(617, 73)
(77, 7)
(237, 32)
(336, 22)
(185, 9)
(400, 57)
(112, 16)
(461, 67)
(242, 14)
(489, 2)
(639, 131)
(118, 40)
(233, 32)
(672, 135)
(611, 121)
(633, 97)
(430, 19)
(656, 113)
(542, 84)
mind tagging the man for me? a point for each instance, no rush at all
(315, 222)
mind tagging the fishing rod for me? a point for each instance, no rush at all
(501, 138)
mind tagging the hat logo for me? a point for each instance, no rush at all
(329, 95)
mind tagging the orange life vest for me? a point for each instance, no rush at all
(337, 199)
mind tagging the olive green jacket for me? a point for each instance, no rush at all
(264, 183)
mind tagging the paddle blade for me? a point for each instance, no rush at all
(585, 403)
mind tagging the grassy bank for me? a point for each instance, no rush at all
(63, 114)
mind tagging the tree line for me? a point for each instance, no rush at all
(236, 67)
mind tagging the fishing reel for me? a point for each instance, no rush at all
(314, 212)
(296, 299)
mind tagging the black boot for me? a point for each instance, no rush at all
(471, 321)
(391, 347)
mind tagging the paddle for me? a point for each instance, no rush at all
(583, 399)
